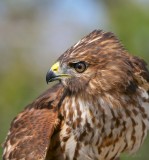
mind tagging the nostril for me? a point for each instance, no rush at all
(54, 69)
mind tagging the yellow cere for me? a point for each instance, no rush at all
(55, 67)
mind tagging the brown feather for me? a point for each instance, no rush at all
(30, 132)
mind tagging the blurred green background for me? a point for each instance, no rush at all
(33, 33)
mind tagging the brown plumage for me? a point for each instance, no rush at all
(99, 108)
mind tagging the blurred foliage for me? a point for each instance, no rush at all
(130, 21)
(22, 80)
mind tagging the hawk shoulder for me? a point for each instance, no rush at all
(30, 132)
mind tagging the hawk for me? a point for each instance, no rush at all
(98, 109)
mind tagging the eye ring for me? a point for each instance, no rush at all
(80, 67)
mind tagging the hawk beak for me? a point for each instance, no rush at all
(55, 74)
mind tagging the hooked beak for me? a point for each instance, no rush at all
(55, 74)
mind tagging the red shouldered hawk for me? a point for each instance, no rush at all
(98, 109)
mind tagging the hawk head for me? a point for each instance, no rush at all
(97, 63)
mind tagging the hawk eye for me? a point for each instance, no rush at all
(80, 67)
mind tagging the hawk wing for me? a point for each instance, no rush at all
(30, 132)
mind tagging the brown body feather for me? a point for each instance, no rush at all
(30, 131)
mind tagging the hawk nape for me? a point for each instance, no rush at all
(99, 108)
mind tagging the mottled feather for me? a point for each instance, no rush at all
(30, 132)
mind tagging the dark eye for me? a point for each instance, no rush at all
(79, 67)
